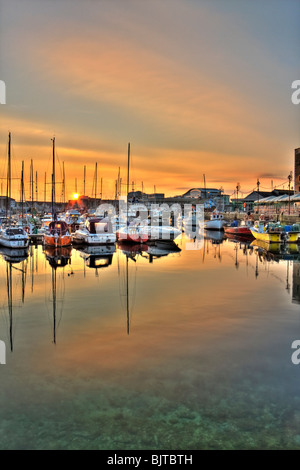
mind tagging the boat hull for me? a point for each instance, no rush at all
(132, 237)
(240, 231)
(60, 241)
(14, 243)
(292, 237)
(273, 237)
(82, 238)
(215, 225)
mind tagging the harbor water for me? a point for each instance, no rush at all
(162, 348)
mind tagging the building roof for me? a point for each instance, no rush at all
(254, 195)
(202, 190)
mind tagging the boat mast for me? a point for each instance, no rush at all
(53, 177)
(84, 175)
(96, 178)
(36, 187)
(127, 295)
(22, 190)
(31, 185)
(128, 166)
(8, 187)
(64, 185)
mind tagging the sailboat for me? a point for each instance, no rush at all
(133, 231)
(11, 236)
(139, 229)
(58, 234)
(96, 231)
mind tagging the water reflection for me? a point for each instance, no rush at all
(208, 349)
(57, 258)
(161, 249)
(97, 257)
(15, 260)
(215, 236)
(131, 251)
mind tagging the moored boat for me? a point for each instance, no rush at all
(271, 233)
(96, 231)
(292, 233)
(241, 229)
(57, 234)
(132, 234)
(216, 222)
(11, 236)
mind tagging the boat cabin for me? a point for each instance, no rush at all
(58, 228)
(98, 225)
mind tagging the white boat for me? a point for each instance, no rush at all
(96, 231)
(161, 232)
(13, 237)
(10, 235)
(216, 221)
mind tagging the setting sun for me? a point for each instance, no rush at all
(75, 196)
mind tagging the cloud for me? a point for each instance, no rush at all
(193, 88)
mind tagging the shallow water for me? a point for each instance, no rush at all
(190, 350)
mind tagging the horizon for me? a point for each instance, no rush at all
(197, 88)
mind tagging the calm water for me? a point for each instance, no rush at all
(190, 350)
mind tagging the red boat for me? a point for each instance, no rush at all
(58, 235)
(240, 230)
(132, 234)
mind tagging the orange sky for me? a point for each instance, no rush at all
(196, 87)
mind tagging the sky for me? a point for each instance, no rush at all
(198, 87)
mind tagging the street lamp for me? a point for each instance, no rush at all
(237, 195)
(290, 178)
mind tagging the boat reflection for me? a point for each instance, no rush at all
(239, 238)
(14, 255)
(13, 259)
(96, 257)
(277, 251)
(160, 249)
(57, 257)
(215, 236)
(132, 250)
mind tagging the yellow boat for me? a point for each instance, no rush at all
(266, 235)
(292, 237)
(267, 246)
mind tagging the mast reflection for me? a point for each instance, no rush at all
(57, 258)
(13, 258)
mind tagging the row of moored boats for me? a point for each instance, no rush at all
(264, 230)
